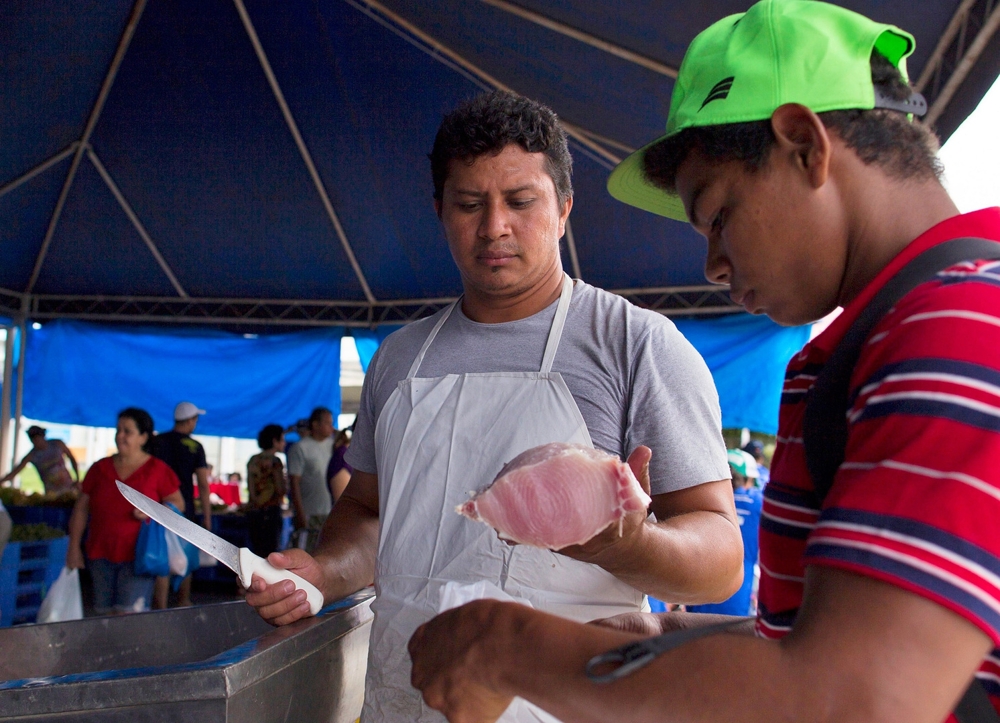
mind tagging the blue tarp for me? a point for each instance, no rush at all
(368, 342)
(747, 356)
(81, 373)
(195, 141)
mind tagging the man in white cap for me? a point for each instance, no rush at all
(186, 457)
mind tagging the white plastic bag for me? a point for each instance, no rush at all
(454, 594)
(178, 558)
(63, 601)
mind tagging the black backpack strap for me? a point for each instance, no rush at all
(975, 706)
(824, 428)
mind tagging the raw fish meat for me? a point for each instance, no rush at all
(557, 495)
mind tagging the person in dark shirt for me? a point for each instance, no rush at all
(338, 473)
(186, 457)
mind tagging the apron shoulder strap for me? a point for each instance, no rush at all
(556, 330)
(415, 367)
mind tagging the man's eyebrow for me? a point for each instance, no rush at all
(506, 192)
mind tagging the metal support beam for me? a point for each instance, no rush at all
(11, 302)
(303, 150)
(438, 51)
(40, 168)
(8, 378)
(19, 401)
(671, 301)
(934, 61)
(569, 31)
(136, 223)
(574, 260)
(95, 115)
(964, 40)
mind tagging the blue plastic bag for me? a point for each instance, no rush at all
(151, 555)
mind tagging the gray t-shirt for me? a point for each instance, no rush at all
(635, 378)
(309, 459)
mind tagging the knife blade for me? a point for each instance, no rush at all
(238, 559)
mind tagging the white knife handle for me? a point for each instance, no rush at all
(251, 564)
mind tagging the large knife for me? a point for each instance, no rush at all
(238, 559)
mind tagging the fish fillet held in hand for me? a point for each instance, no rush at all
(557, 495)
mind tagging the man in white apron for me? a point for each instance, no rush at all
(526, 357)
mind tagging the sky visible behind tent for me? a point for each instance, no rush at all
(972, 157)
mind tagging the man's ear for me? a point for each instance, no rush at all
(804, 140)
(564, 215)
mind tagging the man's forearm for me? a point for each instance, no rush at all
(77, 524)
(347, 548)
(204, 492)
(692, 558)
(700, 687)
(295, 497)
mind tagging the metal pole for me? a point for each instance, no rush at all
(19, 403)
(8, 374)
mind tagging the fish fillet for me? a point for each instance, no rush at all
(557, 495)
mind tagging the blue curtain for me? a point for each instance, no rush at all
(747, 355)
(368, 341)
(81, 373)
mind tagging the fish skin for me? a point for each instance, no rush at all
(541, 498)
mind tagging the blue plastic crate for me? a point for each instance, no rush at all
(26, 572)
(57, 517)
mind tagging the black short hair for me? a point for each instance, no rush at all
(269, 435)
(887, 138)
(317, 415)
(143, 422)
(492, 121)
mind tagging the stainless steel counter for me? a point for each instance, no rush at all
(210, 663)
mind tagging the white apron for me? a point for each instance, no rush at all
(436, 441)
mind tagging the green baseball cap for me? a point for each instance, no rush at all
(743, 463)
(745, 66)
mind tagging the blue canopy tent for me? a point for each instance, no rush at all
(261, 166)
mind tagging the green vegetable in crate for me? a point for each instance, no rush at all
(35, 533)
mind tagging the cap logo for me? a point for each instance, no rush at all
(719, 91)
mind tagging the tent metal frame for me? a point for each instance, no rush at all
(970, 30)
(668, 300)
(569, 31)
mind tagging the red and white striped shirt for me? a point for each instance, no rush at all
(916, 502)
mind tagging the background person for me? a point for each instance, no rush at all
(267, 486)
(749, 500)
(755, 449)
(338, 473)
(113, 522)
(307, 464)
(186, 457)
(49, 457)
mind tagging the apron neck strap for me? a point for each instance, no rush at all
(430, 338)
(551, 345)
(558, 322)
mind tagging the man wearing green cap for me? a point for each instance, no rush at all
(791, 146)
